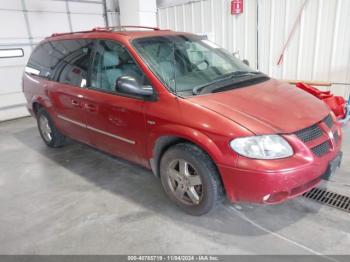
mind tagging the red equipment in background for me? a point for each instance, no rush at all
(336, 103)
(236, 7)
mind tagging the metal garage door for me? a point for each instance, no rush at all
(23, 24)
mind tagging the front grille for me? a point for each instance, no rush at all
(315, 131)
(336, 137)
(321, 149)
(329, 198)
(309, 133)
(329, 121)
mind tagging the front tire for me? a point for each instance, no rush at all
(48, 132)
(190, 179)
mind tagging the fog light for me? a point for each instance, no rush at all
(265, 198)
(275, 198)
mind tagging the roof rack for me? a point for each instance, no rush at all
(108, 28)
(122, 28)
(69, 33)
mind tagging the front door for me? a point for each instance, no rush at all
(116, 122)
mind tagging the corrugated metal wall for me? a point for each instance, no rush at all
(319, 48)
(213, 18)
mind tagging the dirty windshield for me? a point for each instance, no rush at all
(188, 64)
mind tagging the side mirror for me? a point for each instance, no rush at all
(236, 54)
(130, 86)
(245, 61)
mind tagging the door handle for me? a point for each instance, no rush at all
(91, 107)
(75, 103)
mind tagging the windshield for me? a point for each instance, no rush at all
(187, 63)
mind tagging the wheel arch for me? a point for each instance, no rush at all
(161, 145)
(38, 102)
(163, 142)
(36, 107)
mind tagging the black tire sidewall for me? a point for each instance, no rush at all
(57, 138)
(206, 170)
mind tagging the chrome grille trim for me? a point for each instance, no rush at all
(328, 121)
(316, 131)
(336, 137)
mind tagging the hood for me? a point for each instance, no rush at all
(269, 107)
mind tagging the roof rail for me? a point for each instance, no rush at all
(108, 28)
(121, 27)
(69, 33)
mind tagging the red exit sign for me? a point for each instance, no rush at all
(236, 7)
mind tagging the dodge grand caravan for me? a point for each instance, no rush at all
(203, 121)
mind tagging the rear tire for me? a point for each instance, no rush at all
(190, 179)
(48, 132)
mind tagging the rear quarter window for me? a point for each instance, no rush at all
(39, 61)
(64, 61)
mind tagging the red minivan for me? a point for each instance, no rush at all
(206, 123)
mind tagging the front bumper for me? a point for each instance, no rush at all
(274, 181)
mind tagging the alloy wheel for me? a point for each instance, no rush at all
(45, 128)
(185, 182)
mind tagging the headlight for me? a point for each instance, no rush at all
(262, 147)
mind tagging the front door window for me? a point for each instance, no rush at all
(112, 61)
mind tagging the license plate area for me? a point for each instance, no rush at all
(332, 166)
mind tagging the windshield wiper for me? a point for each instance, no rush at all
(241, 73)
(227, 77)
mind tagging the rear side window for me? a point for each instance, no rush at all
(39, 61)
(72, 61)
(64, 61)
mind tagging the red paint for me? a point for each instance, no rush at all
(210, 121)
(236, 7)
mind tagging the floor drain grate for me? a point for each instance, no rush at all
(329, 198)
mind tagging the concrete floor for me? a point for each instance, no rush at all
(76, 200)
